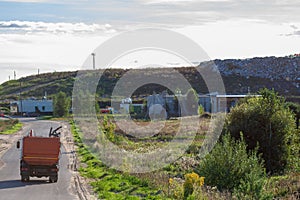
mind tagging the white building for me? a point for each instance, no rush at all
(215, 102)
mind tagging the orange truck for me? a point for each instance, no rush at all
(40, 156)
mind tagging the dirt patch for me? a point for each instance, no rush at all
(6, 141)
(79, 185)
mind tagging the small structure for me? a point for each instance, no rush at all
(125, 104)
(163, 105)
(215, 102)
(31, 106)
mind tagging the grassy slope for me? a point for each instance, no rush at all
(37, 85)
(63, 81)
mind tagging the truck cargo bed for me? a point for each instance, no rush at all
(41, 150)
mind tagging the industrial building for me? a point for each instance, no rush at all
(31, 107)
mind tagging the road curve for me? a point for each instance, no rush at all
(11, 187)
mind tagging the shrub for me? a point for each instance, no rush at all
(266, 120)
(61, 105)
(295, 108)
(230, 167)
(200, 110)
(192, 180)
(176, 188)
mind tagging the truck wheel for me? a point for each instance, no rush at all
(53, 179)
(24, 178)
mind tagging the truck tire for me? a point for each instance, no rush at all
(25, 178)
(53, 179)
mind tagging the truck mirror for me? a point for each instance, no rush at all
(18, 144)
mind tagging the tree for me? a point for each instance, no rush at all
(230, 167)
(295, 108)
(61, 105)
(266, 121)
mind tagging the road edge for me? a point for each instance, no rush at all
(80, 186)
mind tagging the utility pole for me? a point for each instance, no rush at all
(15, 75)
(93, 54)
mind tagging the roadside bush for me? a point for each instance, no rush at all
(266, 121)
(230, 168)
(61, 105)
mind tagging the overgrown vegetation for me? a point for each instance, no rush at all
(230, 167)
(61, 105)
(295, 108)
(265, 121)
(109, 183)
(233, 170)
(10, 126)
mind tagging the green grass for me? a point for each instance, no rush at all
(11, 128)
(109, 183)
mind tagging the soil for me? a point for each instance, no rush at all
(80, 185)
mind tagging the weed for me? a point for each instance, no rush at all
(109, 183)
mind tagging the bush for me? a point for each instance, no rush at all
(61, 105)
(192, 180)
(200, 110)
(295, 108)
(230, 167)
(266, 120)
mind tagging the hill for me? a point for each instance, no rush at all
(239, 76)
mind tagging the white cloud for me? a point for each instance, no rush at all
(27, 1)
(55, 28)
(180, 1)
(277, 11)
(44, 1)
(212, 23)
(243, 39)
(27, 46)
(166, 1)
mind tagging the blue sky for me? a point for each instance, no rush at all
(52, 35)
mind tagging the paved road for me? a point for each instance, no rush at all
(11, 188)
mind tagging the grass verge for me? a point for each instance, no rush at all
(109, 183)
(10, 126)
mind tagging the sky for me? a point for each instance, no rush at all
(53, 35)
